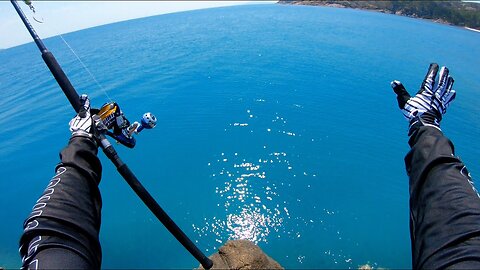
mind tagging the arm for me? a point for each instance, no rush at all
(62, 230)
(444, 205)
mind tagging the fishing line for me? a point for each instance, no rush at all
(74, 53)
(86, 69)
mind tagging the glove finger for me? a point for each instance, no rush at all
(450, 97)
(442, 82)
(450, 82)
(429, 81)
(402, 94)
(85, 108)
(447, 99)
(450, 94)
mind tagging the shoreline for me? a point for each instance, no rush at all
(337, 5)
(472, 29)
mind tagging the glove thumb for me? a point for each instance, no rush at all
(402, 94)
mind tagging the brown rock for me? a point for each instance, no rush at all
(365, 267)
(242, 254)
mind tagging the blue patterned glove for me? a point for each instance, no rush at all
(427, 107)
(81, 124)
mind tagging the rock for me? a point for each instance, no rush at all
(365, 267)
(335, 5)
(242, 254)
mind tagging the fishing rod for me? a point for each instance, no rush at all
(108, 149)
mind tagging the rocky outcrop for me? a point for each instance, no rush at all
(242, 254)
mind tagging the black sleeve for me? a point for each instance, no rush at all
(444, 205)
(62, 230)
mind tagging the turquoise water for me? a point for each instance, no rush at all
(276, 124)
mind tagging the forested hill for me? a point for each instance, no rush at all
(458, 13)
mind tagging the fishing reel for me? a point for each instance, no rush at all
(114, 123)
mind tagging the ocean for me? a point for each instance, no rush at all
(276, 124)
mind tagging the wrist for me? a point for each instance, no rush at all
(83, 136)
(429, 119)
(82, 133)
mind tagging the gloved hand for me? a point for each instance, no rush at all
(81, 124)
(427, 107)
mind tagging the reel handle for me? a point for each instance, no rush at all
(148, 121)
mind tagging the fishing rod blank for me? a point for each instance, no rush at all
(110, 152)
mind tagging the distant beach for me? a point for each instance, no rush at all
(472, 29)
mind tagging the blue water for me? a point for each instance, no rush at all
(276, 124)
